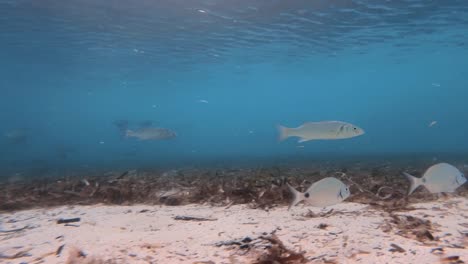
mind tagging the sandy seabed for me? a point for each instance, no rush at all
(433, 232)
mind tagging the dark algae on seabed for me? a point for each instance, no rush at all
(381, 185)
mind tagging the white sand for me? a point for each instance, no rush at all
(354, 233)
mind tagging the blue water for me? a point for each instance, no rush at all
(70, 69)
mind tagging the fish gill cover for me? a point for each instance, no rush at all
(92, 86)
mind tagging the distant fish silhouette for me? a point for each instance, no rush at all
(64, 151)
(151, 133)
(17, 136)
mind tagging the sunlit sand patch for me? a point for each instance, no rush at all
(347, 232)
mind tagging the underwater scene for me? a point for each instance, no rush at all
(209, 131)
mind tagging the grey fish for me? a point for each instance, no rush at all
(151, 133)
(441, 177)
(325, 130)
(326, 192)
(17, 136)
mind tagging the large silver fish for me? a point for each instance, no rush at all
(326, 192)
(321, 130)
(151, 133)
(441, 177)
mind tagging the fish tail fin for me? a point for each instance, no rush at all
(414, 182)
(297, 196)
(122, 126)
(128, 133)
(283, 132)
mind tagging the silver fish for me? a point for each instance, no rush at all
(321, 131)
(326, 192)
(441, 177)
(151, 133)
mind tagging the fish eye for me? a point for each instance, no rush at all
(306, 195)
(354, 128)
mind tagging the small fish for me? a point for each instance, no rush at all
(151, 133)
(17, 136)
(441, 177)
(202, 101)
(433, 123)
(321, 130)
(326, 192)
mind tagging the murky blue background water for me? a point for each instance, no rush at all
(70, 69)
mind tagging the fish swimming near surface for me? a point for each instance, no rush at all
(326, 192)
(324, 130)
(441, 177)
(151, 133)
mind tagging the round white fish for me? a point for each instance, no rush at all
(441, 177)
(321, 131)
(326, 192)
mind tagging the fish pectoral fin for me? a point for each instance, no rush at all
(340, 130)
(340, 196)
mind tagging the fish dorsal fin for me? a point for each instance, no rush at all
(146, 124)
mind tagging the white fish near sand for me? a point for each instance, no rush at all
(151, 133)
(441, 177)
(321, 131)
(326, 192)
